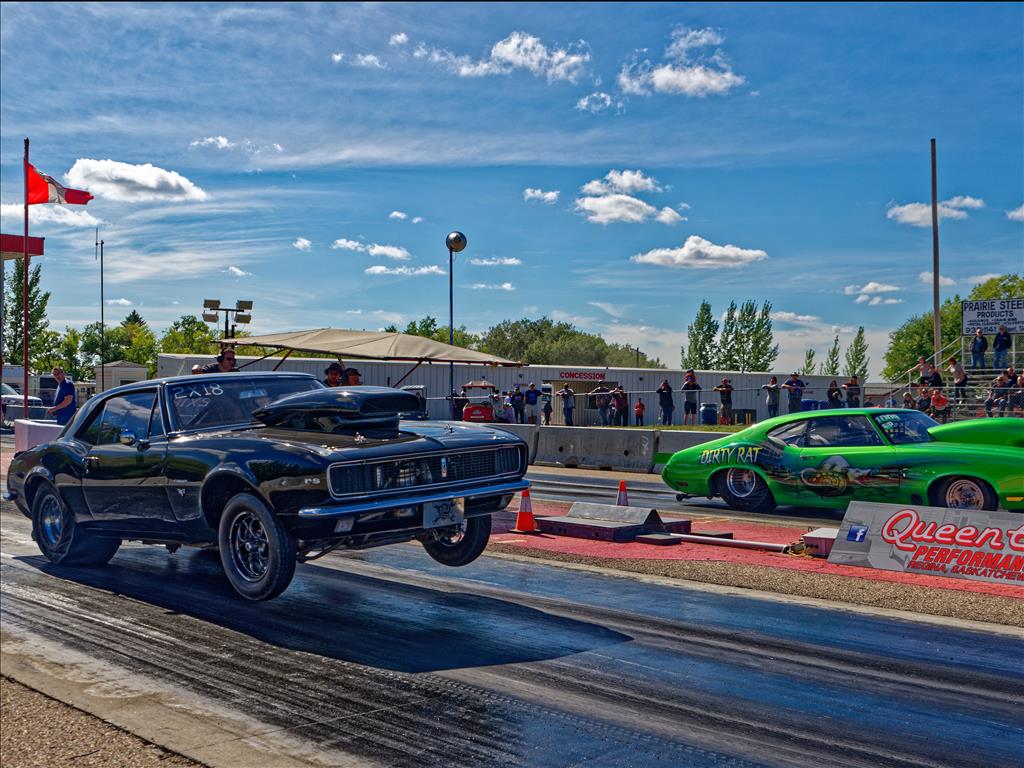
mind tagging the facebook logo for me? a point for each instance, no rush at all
(857, 533)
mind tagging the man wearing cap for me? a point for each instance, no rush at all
(333, 372)
(531, 397)
(690, 390)
(795, 387)
(725, 392)
(351, 377)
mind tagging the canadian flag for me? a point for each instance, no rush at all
(43, 189)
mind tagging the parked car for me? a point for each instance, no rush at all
(11, 396)
(270, 468)
(828, 458)
(480, 405)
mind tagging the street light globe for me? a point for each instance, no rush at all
(456, 241)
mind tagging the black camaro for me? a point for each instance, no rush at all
(270, 468)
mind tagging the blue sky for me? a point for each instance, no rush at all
(611, 165)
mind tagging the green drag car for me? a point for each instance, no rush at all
(829, 458)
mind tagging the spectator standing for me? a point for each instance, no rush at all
(638, 411)
(852, 388)
(690, 390)
(603, 403)
(65, 402)
(531, 397)
(518, 404)
(959, 379)
(546, 410)
(1001, 347)
(620, 407)
(351, 377)
(225, 362)
(999, 395)
(924, 371)
(940, 406)
(979, 344)
(834, 395)
(568, 403)
(665, 402)
(936, 379)
(771, 398)
(333, 373)
(795, 387)
(924, 400)
(724, 391)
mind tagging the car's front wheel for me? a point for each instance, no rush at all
(745, 490)
(257, 553)
(965, 493)
(462, 545)
(60, 537)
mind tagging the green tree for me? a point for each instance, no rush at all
(831, 365)
(808, 367)
(188, 335)
(762, 349)
(546, 342)
(133, 318)
(914, 337)
(40, 345)
(700, 340)
(857, 359)
(729, 342)
(428, 328)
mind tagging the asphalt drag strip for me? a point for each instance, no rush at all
(386, 658)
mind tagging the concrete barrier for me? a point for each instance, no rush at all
(526, 431)
(28, 434)
(597, 448)
(35, 412)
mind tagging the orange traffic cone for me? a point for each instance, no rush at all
(622, 500)
(524, 520)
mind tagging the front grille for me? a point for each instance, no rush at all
(423, 471)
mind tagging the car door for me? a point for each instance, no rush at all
(124, 482)
(843, 457)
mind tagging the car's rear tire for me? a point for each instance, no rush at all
(462, 547)
(965, 493)
(256, 551)
(61, 539)
(745, 490)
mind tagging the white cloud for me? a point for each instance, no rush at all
(926, 278)
(400, 215)
(610, 309)
(369, 61)
(540, 195)
(599, 101)
(920, 214)
(238, 272)
(699, 253)
(497, 261)
(348, 245)
(628, 182)
(874, 301)
(218, 142)
(405, 271)
(793, 317)
(517, 51)
(493, 287)
(119, 302)
(13, 213)
(389, 252)
(685, 70)
(870, 288)
(337, 57)
(417, 219)
(615, 208)
(1017, 214)
(125, 182)
(978, 279)
(400, 38)
(669, 216)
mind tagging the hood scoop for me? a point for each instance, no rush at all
(370, 411)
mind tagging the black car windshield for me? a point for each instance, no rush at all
(214, 401)
(906, 427)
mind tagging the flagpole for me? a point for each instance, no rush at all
(24, 297)
(103, 343)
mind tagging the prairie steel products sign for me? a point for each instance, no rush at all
(961, 543)
(990, 314)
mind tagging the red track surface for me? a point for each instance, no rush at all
(775, 534)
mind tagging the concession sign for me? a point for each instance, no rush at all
(990, 314)
(961, 543)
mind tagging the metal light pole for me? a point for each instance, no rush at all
(242, 312)
(456, 242)
(103, 338)
(936, 322)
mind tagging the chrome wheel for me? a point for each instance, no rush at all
(452, 536)
(964, 494)
(741, 482)
(51, 522)
(250, 547)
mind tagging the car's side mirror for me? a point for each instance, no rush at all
(127, 438)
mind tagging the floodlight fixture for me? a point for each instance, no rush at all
(243, 318)
(210, 317)
(211, 303)
(243, 305)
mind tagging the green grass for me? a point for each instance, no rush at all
(699, 428)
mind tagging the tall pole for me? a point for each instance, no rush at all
(103, 331)
(936, 324)
(24, 297)
(455, 241)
